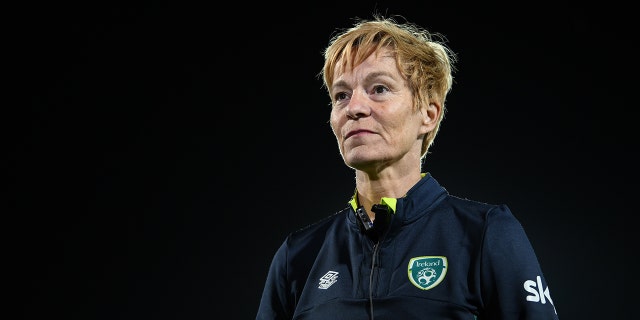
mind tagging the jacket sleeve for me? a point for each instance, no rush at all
(275, 304)
(513, 285)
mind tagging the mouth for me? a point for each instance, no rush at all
(355, 132)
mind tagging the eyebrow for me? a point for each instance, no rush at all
(368, 78)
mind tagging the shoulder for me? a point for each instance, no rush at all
(313, 235)
(481, 216)
(475, 208)
(300, 248)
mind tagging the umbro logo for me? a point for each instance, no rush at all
(328, 280)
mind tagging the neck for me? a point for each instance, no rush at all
(372, 188)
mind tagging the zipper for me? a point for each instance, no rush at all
(374, 267)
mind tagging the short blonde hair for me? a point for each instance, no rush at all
(422, 58)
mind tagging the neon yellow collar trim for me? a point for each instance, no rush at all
(390, 202)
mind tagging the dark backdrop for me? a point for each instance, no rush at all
(160, 152)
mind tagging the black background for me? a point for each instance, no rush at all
(160, 152)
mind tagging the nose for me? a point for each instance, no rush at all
(358, 106)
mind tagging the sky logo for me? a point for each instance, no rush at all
(538, 293)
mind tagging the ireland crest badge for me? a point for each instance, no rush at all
(426, 272)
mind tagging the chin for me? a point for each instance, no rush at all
(362, 163)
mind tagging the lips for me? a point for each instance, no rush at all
(355, 132)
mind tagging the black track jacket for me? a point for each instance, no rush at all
(441, 257)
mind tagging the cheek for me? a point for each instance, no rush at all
(334, 123)
(403, 128)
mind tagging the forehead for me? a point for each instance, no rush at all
(382, 58)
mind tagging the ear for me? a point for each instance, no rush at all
(430, 115)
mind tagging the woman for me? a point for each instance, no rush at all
(403, 248)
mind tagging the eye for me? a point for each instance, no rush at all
(378, 89)
(340, 96)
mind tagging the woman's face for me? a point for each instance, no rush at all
(373, 117)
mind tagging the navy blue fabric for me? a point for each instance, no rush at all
(492, 267)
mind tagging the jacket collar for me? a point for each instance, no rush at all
(418, 200)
